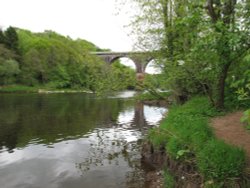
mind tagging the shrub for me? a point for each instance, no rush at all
(246, 118)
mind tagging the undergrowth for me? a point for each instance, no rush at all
(186, 134)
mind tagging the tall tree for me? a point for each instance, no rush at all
(11, 37)
(199, 41)
(230, 22)
(2, 37)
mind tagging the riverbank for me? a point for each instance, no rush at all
(162, 99)
(38, 89)
(191, 151)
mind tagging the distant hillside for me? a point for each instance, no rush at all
(52, 60)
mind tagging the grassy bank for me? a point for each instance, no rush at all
(37, 89)
(187, 137)
(18, 88)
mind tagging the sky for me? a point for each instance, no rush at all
(93, 20)
(102, 22)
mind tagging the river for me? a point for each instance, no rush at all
(73, 140)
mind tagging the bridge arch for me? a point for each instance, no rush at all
(153, 67)
(125, 61)
(140, 66)
(119, 57)
(140, 59)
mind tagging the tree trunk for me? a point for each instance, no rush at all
(221, 87)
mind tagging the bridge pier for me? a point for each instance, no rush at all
(140, 77)
(140, 64)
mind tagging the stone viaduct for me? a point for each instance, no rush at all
(140, 59)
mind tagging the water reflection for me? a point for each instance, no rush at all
(141, 115)
(72, 140)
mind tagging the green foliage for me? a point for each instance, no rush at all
(18, 88)
(2, 37)
(124, 75)
(158, 137)
(58, 62)
(238, 89)
(11, 39)
(175, 148)
(186, 134)
(169, 181)
(200, 48)
(9, 70)
(6, 53)
(203, 50)
(246, 118)
(217, 160)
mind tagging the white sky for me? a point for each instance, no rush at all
(93, 20)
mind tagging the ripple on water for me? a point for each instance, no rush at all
(73, 141)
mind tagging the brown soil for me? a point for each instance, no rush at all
(185, 175)
(232, 131)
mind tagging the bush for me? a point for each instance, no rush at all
(9, 69)
(246, 118)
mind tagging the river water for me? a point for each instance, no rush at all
(73, 140)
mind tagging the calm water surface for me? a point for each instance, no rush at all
(73, 140)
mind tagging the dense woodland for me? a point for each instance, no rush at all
(49, 60)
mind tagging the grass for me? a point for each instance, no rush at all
(168, 180)
(186, 133)
(18, 88)
(35, 89)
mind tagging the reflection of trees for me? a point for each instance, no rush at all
(110, 148)
(52, 118)
(57, 117)
(106, 148)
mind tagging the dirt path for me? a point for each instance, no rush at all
(231, 130)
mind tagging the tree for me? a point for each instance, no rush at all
(9, 69)
(11, 37)
(198, 40)
(232, 41)
(2, 37)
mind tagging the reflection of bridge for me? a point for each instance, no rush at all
(140, 59)
(145, 115)
(139, 117)
(135, 117)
